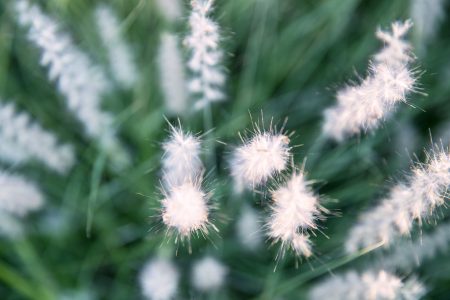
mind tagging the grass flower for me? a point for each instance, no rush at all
(22, 140)
(206, 55)
(208, 274)
(369, 285)
(172, 75)
(159, 279)
(417, 199)
(119, 54)
(390, 79)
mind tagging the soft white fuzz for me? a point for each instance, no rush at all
(259, 159)
(78, 79)
(369, 285)
(427, 16)
(208, 274)
(294, 212)
(181, 160)
(119, 53)
(206, 55)
(415, 200)
(185, 209)
(249, 229)
(172, 75)
(364, 106)
(159, 280)
(22, 140)
(18, 196)
(408, 255)
(170, 9)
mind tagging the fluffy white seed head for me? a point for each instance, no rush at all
(181, 160)
(203, 42)
(18, 196)
(417, 199)
(170, 9)
(159, 280)
(249, 229)
(370, 285)
(120, 55)
(172, 75)
(294, 212)
(259, 159)
(185, 209)
(364, 106)
(22, 140)
(208, 274)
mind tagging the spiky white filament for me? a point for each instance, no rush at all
(78, 79)
(362, 107)
(119, 53)
(185, 209)
(181, 160)
(249, 229)
(414, 200)
(294, 212)
(21, 140)
(259, 159)
(370, 285)
(170, 9)
(18, 196)
(408, 255)
(172, 75)
(159, 279)
(208, 274)
(206, 55)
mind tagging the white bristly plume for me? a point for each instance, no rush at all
(294, 212)
(170, 9)
(208, 274)
(78, 79)
(159, 280)
(172, 75)
(185, 210)
(206, 55)
(119, 53)
(249, 229)
(427, 16)
(181, 160)
(370, 285)
(18, 196)
(22, 140)
(259, 159)
(415, 200)
(362, 107)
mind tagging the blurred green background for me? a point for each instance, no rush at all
(284, 58)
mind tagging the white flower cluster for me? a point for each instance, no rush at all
(206, 55)
(159, 279)
(363, 106)
(172, 75)
(120, 55)
(294, 212)
(426, 190)
(22, 140)
(370, 285)
(208, 274)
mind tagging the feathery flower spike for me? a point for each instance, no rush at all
(362, 107)
(22, 140)
(159, 279)
(172, 75)
(259, 159)
(425, 190)
(203, 42)
(181, 160)
(120, 55)
(369, 285)
(81, 83)
(208, 274)
(295, 210)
